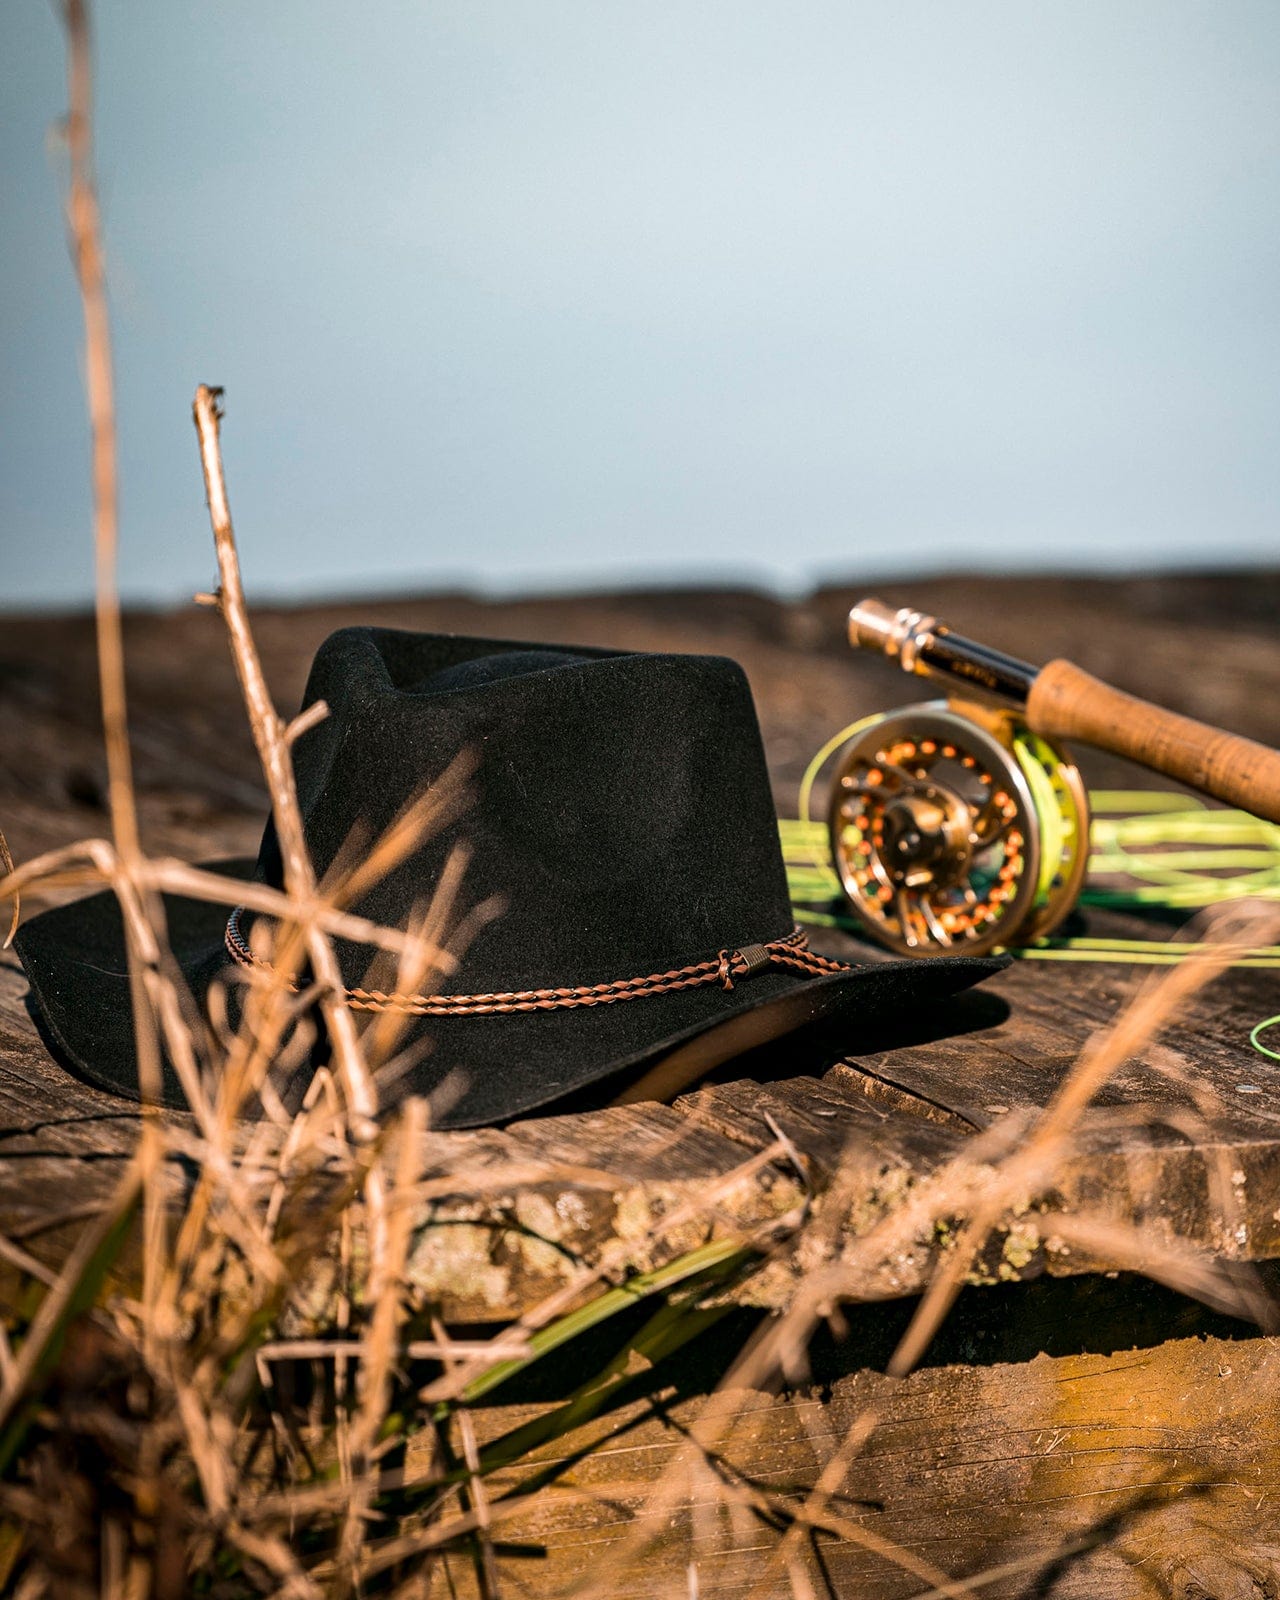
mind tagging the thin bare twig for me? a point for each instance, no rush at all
(270, 735)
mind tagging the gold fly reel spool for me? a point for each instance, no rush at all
(957, 830)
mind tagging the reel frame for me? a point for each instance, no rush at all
(955, 829)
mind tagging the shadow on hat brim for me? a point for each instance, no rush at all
(478, 1070)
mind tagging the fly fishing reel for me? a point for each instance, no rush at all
(959, 825)
(956, 830)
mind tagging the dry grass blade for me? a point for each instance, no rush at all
(86, 240)
(365, 864)
(380, 1352)
(420, 959)
(65, 1288)
(1232, 1288)
(1010, 1163)
(91, 862)
(6, 861)
(438, 1349)
(17, 1257)
(176, 877)
(453, 1384)
(476, 1492)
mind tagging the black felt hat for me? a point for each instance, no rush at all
(624, 816)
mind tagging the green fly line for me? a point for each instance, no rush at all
(1147, 848)
(1256, 1041)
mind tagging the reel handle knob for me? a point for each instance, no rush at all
(1068, 703)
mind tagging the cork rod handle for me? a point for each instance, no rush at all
(1066, 703)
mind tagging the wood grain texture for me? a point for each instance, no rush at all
(1068, 703)
(1128, 1476)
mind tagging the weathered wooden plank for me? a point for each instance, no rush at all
(1159, 1468)
(828, 1127)
(1222, 1194)
(909, 1103)
(1053, 1013)
(638, 1182)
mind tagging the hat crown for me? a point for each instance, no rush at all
(622, 806)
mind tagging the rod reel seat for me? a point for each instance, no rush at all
(961, 824)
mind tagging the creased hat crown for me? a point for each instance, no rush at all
(622, 809)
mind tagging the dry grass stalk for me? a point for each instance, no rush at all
(381, 1347)
(474, 1489)
(85, 229)
(86, 239)
(92, 863)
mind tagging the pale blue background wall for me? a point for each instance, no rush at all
(544, 294)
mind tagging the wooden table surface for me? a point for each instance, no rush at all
(1208, 647)
(1036, 1439)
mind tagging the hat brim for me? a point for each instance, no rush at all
(476, 1070)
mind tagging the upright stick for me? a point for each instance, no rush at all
(270, 734)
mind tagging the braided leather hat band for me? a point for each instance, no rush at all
(727, 968)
